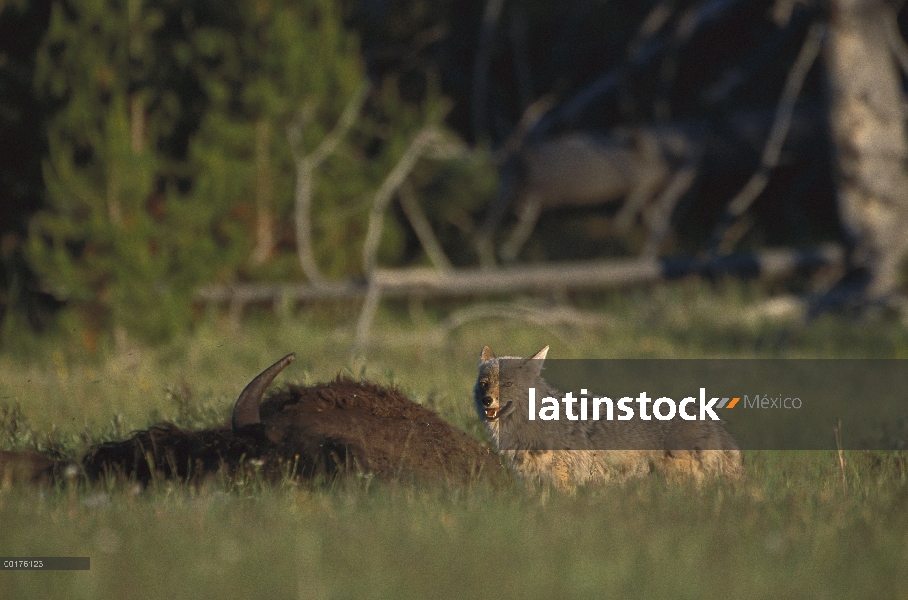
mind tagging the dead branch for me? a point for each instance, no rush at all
(367, 315)
(551, 318)
(422, 227)
(647, 50)
(547, 318)
(536, 315)
(531, 115)
(302, 216)
(651, 25)
(586, 275)
(305, 168)
(779, 131)
(344, 123)
(683, 31)
(595, 274)
(658, 217)
(590, 275)
(789, 22)
(422, 143)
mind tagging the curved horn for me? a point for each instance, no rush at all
(246, 409)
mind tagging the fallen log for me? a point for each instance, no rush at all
(594, 274)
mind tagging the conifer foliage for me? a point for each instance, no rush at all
(173, 151)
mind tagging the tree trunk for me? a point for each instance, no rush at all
(868, 127)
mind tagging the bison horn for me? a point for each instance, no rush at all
(246, 409)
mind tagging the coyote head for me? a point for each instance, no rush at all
(498, 392)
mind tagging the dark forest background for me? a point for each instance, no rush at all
(150, 148)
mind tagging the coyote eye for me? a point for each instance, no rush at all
(483, 385)
(508, 383)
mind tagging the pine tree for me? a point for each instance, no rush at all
(288, 64)
(115, 243)
(174, 152)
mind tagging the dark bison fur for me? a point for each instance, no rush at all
(321, 430)
(304, 432)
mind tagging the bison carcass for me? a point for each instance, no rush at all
(303, 431)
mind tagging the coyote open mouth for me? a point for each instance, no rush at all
(493, 414)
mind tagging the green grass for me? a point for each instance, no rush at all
(794, 529)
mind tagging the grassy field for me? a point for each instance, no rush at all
(795, 529)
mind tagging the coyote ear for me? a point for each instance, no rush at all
(535, 361)
(540, 355)
(486, 354)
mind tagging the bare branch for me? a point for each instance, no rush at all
(781, 123)
(346, 120)
(422, 227)
(596, 275)
(658, 217)
(543, 316)
(641, 54)
(302, 217)
(654, 21)
(420, 144)
(528, 120)
(606, 274)
(305, 169)
(527, 219)
(367, 315)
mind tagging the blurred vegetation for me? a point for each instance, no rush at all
(151, 150)
(66, 396)
(166, 152)
(791, 530)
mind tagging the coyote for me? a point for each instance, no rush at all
(577, 462)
